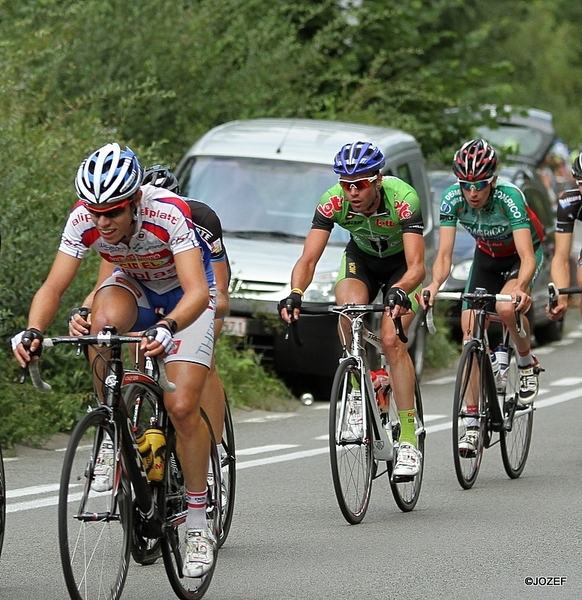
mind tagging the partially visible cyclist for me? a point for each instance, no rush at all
(569, 211)
(209, 228)
(385, 252)
(508, 253)
(147, 234)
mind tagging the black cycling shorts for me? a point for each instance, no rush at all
(374, 271)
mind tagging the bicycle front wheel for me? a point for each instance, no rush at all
(350, 450)
(228, 472)
(469, 416)
(406, 493)
(174, 542)
(2, 501)
(94, 516)
(515, 443)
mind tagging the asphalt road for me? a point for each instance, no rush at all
(289, 540)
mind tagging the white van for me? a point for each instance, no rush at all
(264, 178)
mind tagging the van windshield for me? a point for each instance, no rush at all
(260, 195)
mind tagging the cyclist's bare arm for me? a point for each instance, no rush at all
(527, 269)
(304, 268)
(220, 269)
(442, 263)
(560, 273)
(46, 300)
(415, 271)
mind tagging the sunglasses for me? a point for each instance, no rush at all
(112, 213)
(475, 185)
(578, 181)
(359, 184)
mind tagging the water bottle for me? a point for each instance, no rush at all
(494, 365)
(145, 450)
(502, 359)
(157, 441)
(381, 380)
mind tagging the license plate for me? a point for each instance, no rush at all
(235, 326)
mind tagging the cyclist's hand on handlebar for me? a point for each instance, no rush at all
(290, 307)
(397, 302)
(79, 321)
(522, 300)
(157, 340)
(27, 345)
(427, 295)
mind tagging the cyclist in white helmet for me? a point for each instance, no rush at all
(148, 235)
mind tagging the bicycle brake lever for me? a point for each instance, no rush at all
(553, 293)
(23, 374)
(428, 317)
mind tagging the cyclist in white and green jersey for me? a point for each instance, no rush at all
(385, 252)
(508, 253)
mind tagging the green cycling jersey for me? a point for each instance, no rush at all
(492, 226)
(381, 233)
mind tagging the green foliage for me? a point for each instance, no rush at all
(441, 352)
(246, 382)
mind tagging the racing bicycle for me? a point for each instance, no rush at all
(366, 448)
(100, 528)
(499, 417)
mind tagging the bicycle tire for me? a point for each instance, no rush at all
(2, 501)
(515, 443)
(350, 450)
(141, 402)
(469, 383)
(406, 493)
(173, 543)
(94, 551)
(228, 474)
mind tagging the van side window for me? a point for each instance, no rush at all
(403, 172)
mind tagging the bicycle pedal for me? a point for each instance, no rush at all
(403, 478)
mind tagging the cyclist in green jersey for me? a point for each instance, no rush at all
(508, 252)
(385, 252)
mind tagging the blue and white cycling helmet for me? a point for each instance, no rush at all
(475, 161)
(358, 157)
(108, 176)
(161, 177)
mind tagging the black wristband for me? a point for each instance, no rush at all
(172, 325)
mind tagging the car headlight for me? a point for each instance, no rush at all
(461, 270)
(321, 289)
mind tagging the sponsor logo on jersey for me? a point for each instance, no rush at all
(334, 204)
(385, 223)
(403, 209)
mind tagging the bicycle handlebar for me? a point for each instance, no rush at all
(554, 292)
(100, 339)
(353, 308)
(482, 298)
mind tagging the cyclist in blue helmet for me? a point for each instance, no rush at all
(385, 255)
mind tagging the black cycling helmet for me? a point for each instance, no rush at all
(358, 157)
(577, 168)
(108, 176)
(162, 177)
(475, 161)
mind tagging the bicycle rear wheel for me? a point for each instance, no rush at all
(94, 526)
(2, 501)
(406, 493)
(228, 473)
(173, 544)
(468, 389)
(350, 450)
(516, 442)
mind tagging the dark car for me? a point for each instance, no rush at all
(539, 200)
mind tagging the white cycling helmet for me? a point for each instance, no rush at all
(108, 176)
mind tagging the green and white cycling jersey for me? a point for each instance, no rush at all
(493, 225)
(380, 234)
